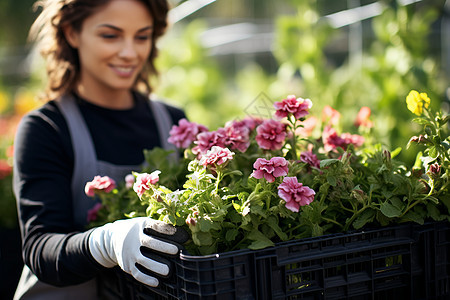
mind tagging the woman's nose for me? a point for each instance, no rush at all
(128, 50)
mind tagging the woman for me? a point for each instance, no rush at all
(97, 121)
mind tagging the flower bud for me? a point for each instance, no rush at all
(191, 221)
(358, 194)
(414, 139)
(421, 140)
(434, 170)
(386, 156)
(129, 181)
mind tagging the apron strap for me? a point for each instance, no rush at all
(85, 157)
(164, 123)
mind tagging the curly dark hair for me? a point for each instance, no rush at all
(63, 66)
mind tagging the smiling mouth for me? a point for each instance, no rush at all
(123, 71)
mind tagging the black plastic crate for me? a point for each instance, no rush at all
(402, 262)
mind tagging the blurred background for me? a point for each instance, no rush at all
(225, 59)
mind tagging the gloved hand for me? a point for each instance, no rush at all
(120, 242)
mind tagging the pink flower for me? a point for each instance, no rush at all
(144, 181)
(236, 136)
(298, 107)
(331, 140)
(248, 122)
(216, 156)
(310, 158)
(270, 135)
(185, 133)
(92, 214)
(308, 126)
(206, 140)
(354, 139)
(98, 184)
(362, 119)
(330, 115)
(295, 194)
(270, 169)
(129, 181)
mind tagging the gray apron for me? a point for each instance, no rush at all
(86, 166)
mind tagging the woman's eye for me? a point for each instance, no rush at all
(145, 37)
(108, 36)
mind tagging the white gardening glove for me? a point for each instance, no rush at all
(120, 243)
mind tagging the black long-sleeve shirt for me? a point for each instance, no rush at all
(53, 247)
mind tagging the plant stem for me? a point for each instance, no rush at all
(292, 120)
(218, 179)
(409, 207)
(350, 221)
(293, 228)
(332, 221)
(238, 244)
(345, 208)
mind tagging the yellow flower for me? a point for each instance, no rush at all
(417, 101)
(4, 102)
(24, 102)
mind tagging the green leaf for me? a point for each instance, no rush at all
(328, 162)
(421, 121)
(446, 200)
(433, 152)
(258, 210)
(397, 203)
(445, 120)
(384, 221)
(390, 210)
(260, 241)
(434, 213)
(157, 157)
(313, 212)
(396, 152)
(260, 244)
(234, 216)
(433, 199)
(172, 220)
(316, 230)
(273, 223)
(414, 217)
(231, 235)
(234, 172)
(205, 225)
(364, 218)
(332, 180)
(202, 238)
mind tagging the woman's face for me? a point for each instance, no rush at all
(113, 46)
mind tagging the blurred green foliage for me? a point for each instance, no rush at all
(191, 78)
